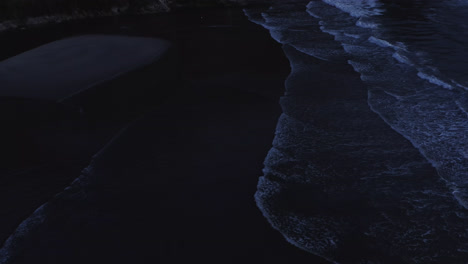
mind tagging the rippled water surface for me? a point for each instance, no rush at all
(370, 159)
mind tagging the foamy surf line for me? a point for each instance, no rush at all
(357, 8)
(76, 192)
(368, 67)
(421, 115)
(14, 245)
(74, 64)
(434, 80)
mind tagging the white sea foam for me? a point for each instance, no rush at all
(315, 15)
(461, 196)
(357, 8)
(361, 67)
(277, 35)
(365, 23)
(414, 107)
(458, 84)
(352, 35)
(434, 80)
(465, 110)
(402, 58)
(381, 42)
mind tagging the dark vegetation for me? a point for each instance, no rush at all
(21, 9)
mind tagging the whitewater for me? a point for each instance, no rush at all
(373, 170)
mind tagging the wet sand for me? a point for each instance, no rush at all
(177, 185)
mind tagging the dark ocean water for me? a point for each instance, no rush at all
(370, 159)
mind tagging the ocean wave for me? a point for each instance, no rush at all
(434, 80)
(381, 42)
(378, 71)
(366, 23)
(402, 58)
(357, 8)
(401, 148)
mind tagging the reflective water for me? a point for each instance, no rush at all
(370, 159)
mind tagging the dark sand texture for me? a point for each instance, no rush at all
(177, 185)
(66, 67)
(46, 144)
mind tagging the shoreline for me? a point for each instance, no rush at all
(209, 138)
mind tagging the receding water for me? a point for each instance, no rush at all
(370, 158)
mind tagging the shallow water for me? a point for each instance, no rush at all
(370, 156)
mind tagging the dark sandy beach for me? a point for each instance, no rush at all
(177, 184)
